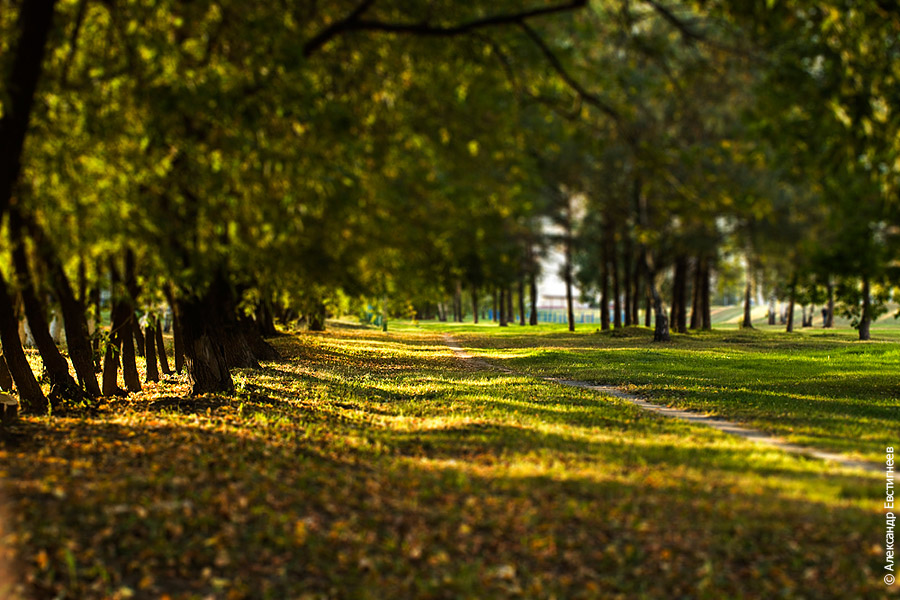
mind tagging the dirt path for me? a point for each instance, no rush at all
(729, 427)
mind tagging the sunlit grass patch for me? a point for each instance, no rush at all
(369, 465)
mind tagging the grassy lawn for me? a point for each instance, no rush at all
(371, 465)
(821, 388)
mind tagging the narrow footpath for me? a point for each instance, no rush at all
(723, 425)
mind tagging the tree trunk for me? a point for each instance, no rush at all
(626, 271)
(510, 313)
(129, 363)
(679, 292)
(570, 308)
(617, 292)
(161, 349)
(790, 313)
(138, 336)
(636, 295)
(705, 309)
(604, 284)
(6, 382)
(502, 307)
(829, 317)
(111, 368)
(495, 315)
(98, 323)
(648, 309)
(315, 319)
(31, 397)
(661, 329)
(177, 334)
(521, 301)
(204, 346)
(696, 319)
(263, 318)
(474, 304)
(865, 319)
(262, 350)
(747, 321)
(533, 319)
(150, 352)
(62, 384)
(34, 23)
(78, 342)
(772, 310)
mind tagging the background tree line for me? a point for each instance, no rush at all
(240, 162)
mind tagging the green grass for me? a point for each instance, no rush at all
(821, 388)
(371, 465)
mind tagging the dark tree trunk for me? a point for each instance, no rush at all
(626, 271)
(129, 364)
(238, 353)
(129, 361)
(315, 319)
(264, 319)
(705, 309)
(604, 284)
(120, 329)
(648, 308)
(31, 396)
(679, 294)
(510, 314)
(829, 316)
(458, 303)
(34, 23)
(533, 320)
(6, 382)
(177, 334)
(772, 310)
(790, 314)
(150, 353)
(98, 323)
(865, 319)
(111, 364)
(570, 308)
(82, 282)
(521, 302)
(204, 346)
(661, 328)
(77, 340)
(502, 303)
(161, 349)
(696, 319)
(262, 350)
(636, 296)
(474, 304)
(56, 366)
(495, 315)
(617, 292)
(138, 337)
(747, 321)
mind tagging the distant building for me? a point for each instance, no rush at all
(552, 288)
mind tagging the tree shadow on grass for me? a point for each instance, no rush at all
(192, 511)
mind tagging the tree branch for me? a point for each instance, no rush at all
(353, 22)
(336, 28)
(587, 96)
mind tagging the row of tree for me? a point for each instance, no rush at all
(238, 160)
